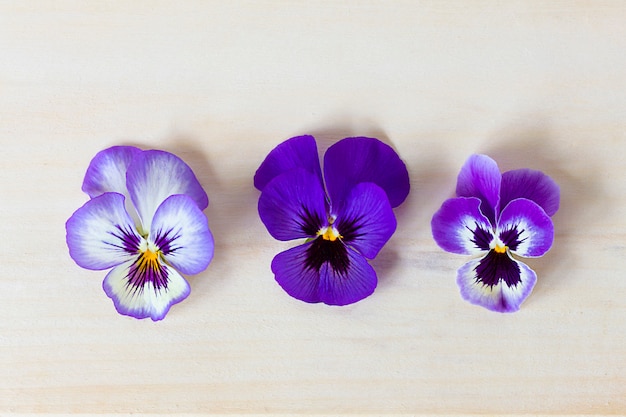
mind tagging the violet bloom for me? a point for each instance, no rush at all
(346, 222)
(145, 221)
(494, 216)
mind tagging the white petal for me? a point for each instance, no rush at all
(181, 231)
(144, 301)
(154, 176)
(107, 171)
(499, 297)
(101, 234)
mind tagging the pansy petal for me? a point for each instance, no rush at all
(499, 297)
(297, 152)
(354, 160)
(338, 287)
(147, 300)
(155, 175)
(101, 234)
(525, 228)
(181, 231)
(460, 227)
(366, 221)
(480, 177)
(292, 205)
(293, 274)
(329, 282)
(532, 185)
(107, 171)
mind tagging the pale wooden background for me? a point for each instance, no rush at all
(533, 84)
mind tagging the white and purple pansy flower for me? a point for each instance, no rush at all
(345, 214)
(494, 216)
(144, 220)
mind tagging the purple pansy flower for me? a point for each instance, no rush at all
(494, 216)
(144, 220)
(346, 221)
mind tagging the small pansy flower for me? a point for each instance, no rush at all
(495, 216)
(144, 220)
(346, 219)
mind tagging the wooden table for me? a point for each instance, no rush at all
(531, 83)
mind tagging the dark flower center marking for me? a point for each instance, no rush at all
(325, 250)
(147, 268)
(350, 229)
(511, 237)
(482, 238)
(165, 241)
(329, 243)
(309, 223)
(496, 266)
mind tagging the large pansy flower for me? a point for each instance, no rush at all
(345, 222)
(494, 216)
(144, 220)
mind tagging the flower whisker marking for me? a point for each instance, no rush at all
(481, 238)
(129, 240)
(308, 222)
(147, 268)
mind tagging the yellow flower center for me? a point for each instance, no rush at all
(500, 248)
(149, 260)
(329, 233)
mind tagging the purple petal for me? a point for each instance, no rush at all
(525, 228)
(297, 152)
(292, 205)
(294, 275)
(531, 185)
(354, 160)
(155, 175)
(337, 287)
(147, 300)
(480, 177)
(101, 234)
(304, 279)
(366, 221)
(181, 231)
(460, 227)
(107, 171)
(499, 297)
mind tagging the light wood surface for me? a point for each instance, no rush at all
(533, 84)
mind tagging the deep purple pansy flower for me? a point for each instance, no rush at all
(144, 220)
(494, 216)
(346, 219)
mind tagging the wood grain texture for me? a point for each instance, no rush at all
(533, 84)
